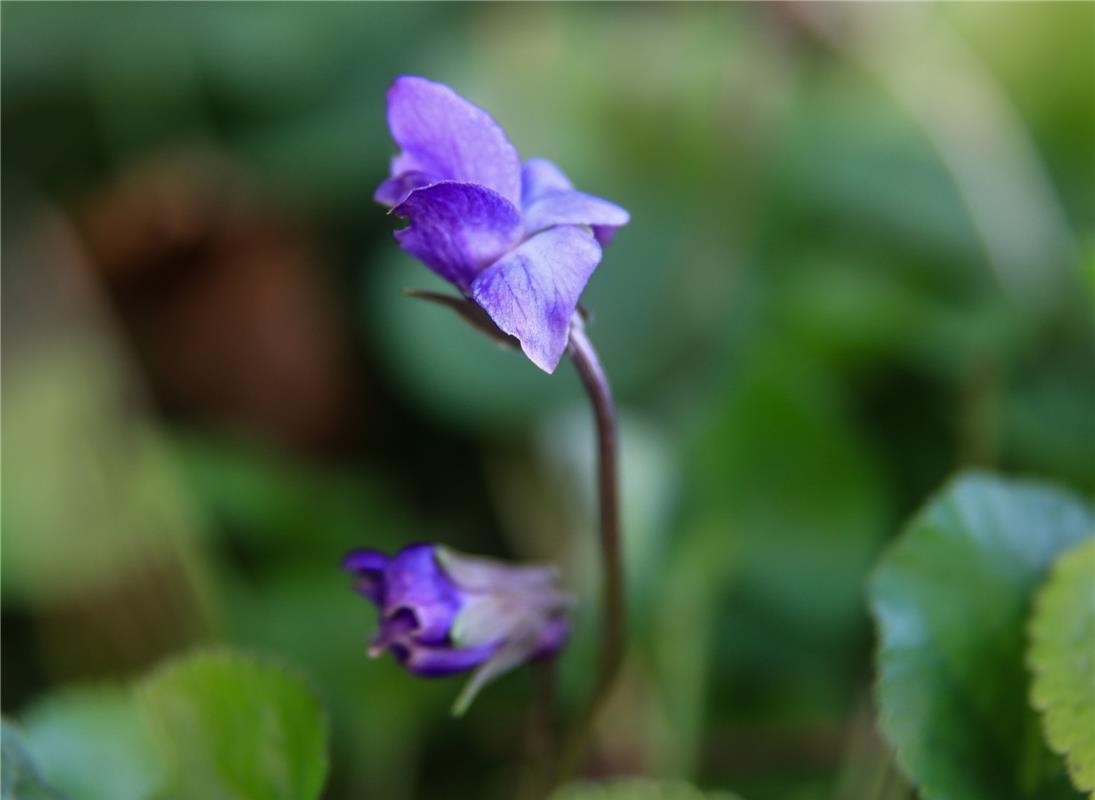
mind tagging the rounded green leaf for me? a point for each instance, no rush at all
(20, 778)
(636, 789)
(950, 600)
(91, 744)
(1062, 657)
(232, 728)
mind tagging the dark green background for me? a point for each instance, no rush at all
(860, 258)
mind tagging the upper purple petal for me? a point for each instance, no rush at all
(364, 560)
(368, 567)
(414, 581)
(539, 177)
(548, 198)
(457, 228)
(531, 292)
(443, 135)
(394, 190)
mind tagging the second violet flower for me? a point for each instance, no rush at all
(443, 612)
(519, 241)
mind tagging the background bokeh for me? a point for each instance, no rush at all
(860, 258)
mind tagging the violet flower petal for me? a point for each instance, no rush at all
(478, 574)
(445, 136)
(539, 178)
(437, 661)
(394, 190)
(414, 581)
(457, 228)
(535, 641)
(548, 198)
(605, 233)
(573, 208)
(368, 567)
(510, 654)
(483, 616)
(365, 560)
(531, 292)
(552, 638)
(397, 628)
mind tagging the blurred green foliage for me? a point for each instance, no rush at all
(809, 326)
(635, 789)
(1062, 637)
(213, 724)
(19, 776)
(229, 726)
(92, 730)
(951, 600)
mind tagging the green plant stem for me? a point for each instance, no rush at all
(540, 735)
(613, 605)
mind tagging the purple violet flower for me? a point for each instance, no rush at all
(519, 241)
(442, 612)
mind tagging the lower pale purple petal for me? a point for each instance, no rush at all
(457, 228)
(548, 198)
(573, 208)
(531, 292)
(552, 638)
(435, 662)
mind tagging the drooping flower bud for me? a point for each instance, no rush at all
(442, 612)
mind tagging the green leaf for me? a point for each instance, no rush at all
(372, 702)
(230, 727)
(20, 779)
(1062, 657)
(950, 600)
(636, 789)
(214, 725)
(91, 744)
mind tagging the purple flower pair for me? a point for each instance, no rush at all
(516, 239)
(519, 242)
(442, 612)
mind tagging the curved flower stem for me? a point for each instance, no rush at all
(613, 604)
(540, 736)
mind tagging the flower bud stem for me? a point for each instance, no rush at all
(613, 603)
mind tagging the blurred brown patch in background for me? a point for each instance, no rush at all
(226, 302)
